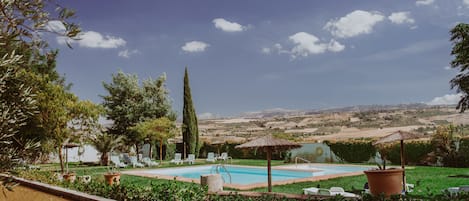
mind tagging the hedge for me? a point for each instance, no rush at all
(353, 151)
(414, 152)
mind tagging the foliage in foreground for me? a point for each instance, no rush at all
(131, 189)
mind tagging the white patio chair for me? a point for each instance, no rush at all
(177, 159)
(134, 162)
(211, 157)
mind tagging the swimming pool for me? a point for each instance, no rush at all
(243, 175)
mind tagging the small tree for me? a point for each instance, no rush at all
(160, 129)
(190, 130)
(128, 103)
(105, 143)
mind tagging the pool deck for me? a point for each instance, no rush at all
(140, 172)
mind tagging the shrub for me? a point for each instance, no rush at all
(353, 151)
(414, 152)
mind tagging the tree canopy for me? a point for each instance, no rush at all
(128, 103)
(460, 51)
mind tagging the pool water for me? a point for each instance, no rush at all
(250, 175)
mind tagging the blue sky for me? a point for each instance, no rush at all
(254, 55)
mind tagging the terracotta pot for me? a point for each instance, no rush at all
(387, 181)
(70, 177)
(112, 178)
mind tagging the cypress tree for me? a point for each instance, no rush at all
(190, 130)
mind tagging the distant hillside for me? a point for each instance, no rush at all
(280, 112)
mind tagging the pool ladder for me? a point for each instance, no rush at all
(302, 159)
(217, 170)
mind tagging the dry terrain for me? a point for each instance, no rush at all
(303, 126)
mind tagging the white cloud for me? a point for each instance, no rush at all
(466, 3)
(92, 39)
(447, 67)
(207, 115)
(127, 53)
(195, 46)
(228, 26)
(401, 18)
(306, 44)
(266, 50)
(424, 2)
(448, 99)
(335, 46)
(353, 24)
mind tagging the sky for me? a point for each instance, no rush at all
(247, 56)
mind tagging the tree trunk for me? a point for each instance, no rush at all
(136, 150)
(150, 154)
(161, 151)
(104, 159)
(61, 159)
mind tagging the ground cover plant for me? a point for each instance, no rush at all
(430, 182)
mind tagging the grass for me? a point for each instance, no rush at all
(427, 180)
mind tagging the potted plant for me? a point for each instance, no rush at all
(69, 176)
(112, 176)
(382, 180)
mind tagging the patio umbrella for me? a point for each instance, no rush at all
(269, 144)
(399, 136)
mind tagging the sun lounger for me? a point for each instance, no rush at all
(456, 190)
(224, 156)
(177, 159)
(190, 159)
(211, 157)
(115, 160)
(331, 192)
(134, 162)
(148, 162)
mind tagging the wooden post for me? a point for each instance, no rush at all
(403, 165)
(269, 171)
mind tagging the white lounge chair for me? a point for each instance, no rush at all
(211, 157)
(177, 159)
(190, 159)
(148, 162)
(332, 192)
(224, 156)
(115, 160)
(336, 189)
(134, 162)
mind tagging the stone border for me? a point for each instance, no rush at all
(55, 190)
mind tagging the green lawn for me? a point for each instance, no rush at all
(426, 179)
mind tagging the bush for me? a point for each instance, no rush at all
(414, 152)
(353, 151)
